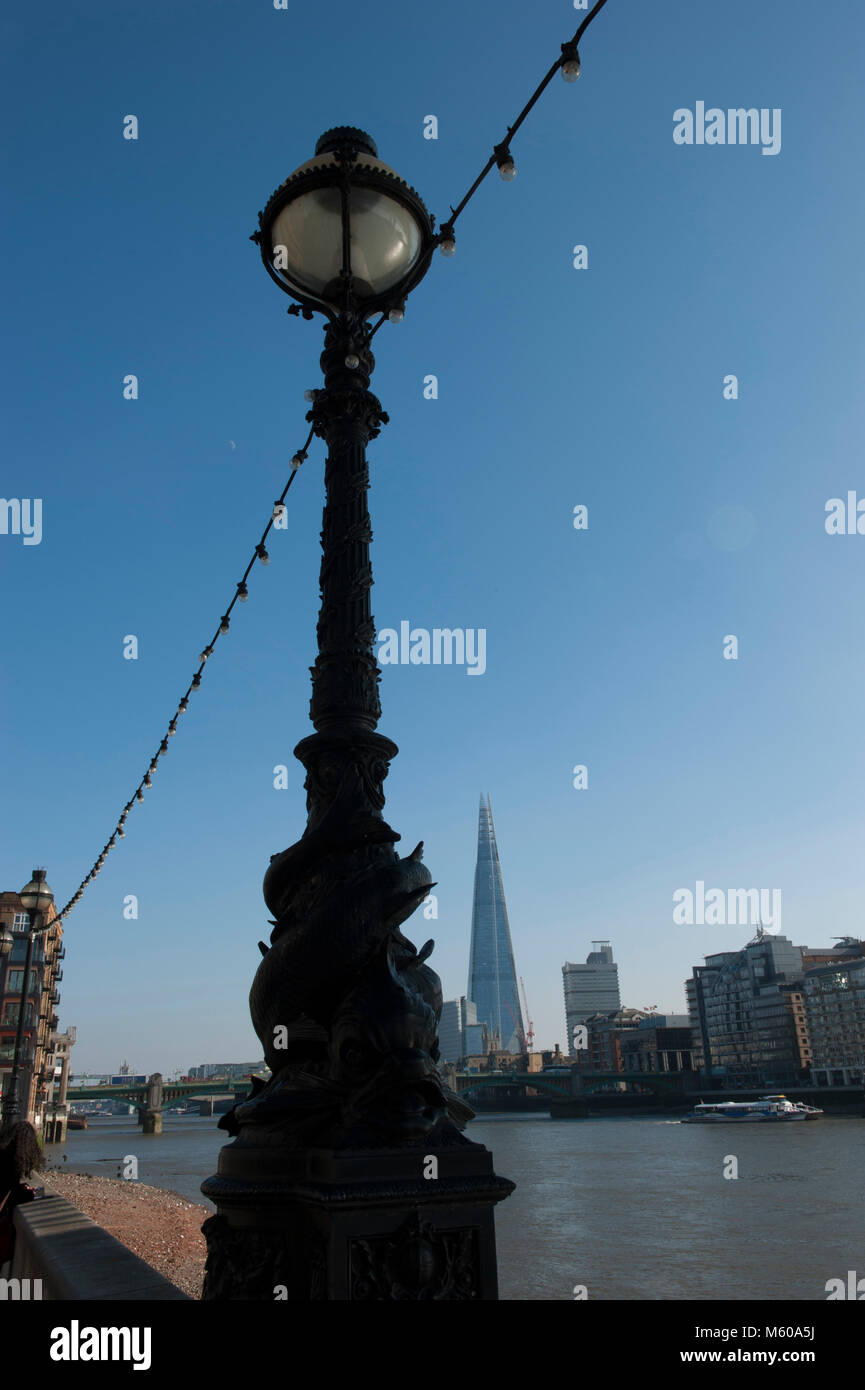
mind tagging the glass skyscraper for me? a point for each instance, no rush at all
(492, 977)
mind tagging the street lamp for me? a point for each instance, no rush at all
(349, 1177)
(344, 233)
(36, 897)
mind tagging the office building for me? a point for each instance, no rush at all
(590, 989)
(459, 1031)
(746, 1023)
(229, 1070)
(833, 998)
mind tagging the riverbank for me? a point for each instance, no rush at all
(159, 1226)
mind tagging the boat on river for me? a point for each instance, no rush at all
(770, 1110)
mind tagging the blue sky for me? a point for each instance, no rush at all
(557, 387)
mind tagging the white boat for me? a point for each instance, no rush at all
(771, 1110)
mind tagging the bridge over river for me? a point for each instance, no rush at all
(155, 1093)
(577, 1086)
(560, 1087)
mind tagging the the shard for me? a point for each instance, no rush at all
(492, 977)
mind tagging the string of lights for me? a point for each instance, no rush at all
(568, 62)
(241, 595)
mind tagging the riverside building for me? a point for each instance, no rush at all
(42, 1046)
(607, 1038)
(833, 996)
(659, 1043)
(747, 1018)
(774, 1014)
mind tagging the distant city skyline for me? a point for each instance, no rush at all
(528, 388)
(596, 961)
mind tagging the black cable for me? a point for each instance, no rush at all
(260, 553)
(512, 129)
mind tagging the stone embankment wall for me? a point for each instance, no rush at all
(77, 1260)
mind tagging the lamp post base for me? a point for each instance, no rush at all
(362, 1226)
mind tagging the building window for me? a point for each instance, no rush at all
(11, 1012)
(16, 980)
(21, 921)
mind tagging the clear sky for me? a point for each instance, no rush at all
(557, 387)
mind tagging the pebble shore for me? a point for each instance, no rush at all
(159, 1226)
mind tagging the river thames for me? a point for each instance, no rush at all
(630, 1207)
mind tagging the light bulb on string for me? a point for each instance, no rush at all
(506, 166)
(570, 62)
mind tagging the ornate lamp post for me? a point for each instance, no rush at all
(349, 1177)
(36, 898)
(7, 942)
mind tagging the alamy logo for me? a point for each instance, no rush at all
(741, 907)
(22, 516)
(76, 1343)
(444, 646)
(732, 127)
(845, 519)
(20, 1290)
(854, 1288)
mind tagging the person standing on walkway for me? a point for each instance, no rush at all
(20, 1155)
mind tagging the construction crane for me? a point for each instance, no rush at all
(530, 1032)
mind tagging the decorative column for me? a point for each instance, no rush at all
(349, 1177)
